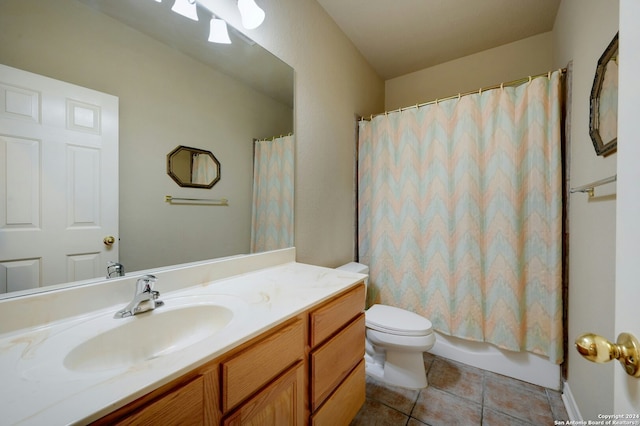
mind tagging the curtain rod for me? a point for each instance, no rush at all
(272, 139)
(459, 95)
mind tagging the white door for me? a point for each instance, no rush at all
(626, 397)
(58, 181)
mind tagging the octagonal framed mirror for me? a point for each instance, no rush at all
(193, 167)
(603, 117)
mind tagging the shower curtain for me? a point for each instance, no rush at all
(460, 214)
(202, 172)
(272, 216)
(608, 106)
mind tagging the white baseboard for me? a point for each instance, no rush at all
(570, 404)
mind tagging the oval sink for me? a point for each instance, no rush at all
(147, 336)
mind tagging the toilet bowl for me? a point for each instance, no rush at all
(395, 342)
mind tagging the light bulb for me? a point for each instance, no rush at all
(218, 31)
(252, 15)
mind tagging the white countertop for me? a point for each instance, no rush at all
(37, 389)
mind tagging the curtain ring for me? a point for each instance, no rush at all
(501, 86)
(530, 79)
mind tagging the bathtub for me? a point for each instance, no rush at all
(523, 366)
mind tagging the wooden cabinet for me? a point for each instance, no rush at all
(281, 403)
(183, 401)
(308, 370)
(343, 404)
(335, 314)
(246, 372)
(337, 378)
(333, 361)
(183, 405)
(274, 368)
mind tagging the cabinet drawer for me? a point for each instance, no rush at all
(331, 362)
(346, 401)
(252, 368)
(184, 406)
(329, 318)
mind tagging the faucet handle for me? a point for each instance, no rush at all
(145, 284)
(154, 296)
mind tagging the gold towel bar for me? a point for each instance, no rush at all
(205, 201)
(589, 187)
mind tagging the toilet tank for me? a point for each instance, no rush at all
(356, 267)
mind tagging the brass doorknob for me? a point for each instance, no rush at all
(596, 348)
(109, 240)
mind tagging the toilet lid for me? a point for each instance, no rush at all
(389, 319)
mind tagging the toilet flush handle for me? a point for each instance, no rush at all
(597, 349)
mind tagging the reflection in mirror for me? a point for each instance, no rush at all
(193, 167)
(272, 218)
(603, 120)
(171, 85)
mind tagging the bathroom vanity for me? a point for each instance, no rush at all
(282, 343)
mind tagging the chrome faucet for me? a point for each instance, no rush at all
(115, 269)
(145, 298)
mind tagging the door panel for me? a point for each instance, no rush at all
(626, 393)
(59, 159)
(21, 158)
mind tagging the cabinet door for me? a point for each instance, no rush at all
(183, 406)
(279, 404)
(252, 368)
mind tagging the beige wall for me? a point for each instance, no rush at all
(582, 31)
(333, 84)
(531, 56)
(166, 99)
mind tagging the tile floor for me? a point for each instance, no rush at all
(459, 394)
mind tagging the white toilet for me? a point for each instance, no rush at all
(395, 342)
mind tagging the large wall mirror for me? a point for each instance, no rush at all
(603, 118)
(173, 88)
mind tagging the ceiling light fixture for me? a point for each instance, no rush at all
(186, 8)
(218, 32)
(252, 15)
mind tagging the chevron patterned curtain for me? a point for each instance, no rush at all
(272, 216)
(460, 214)
(608, 106)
